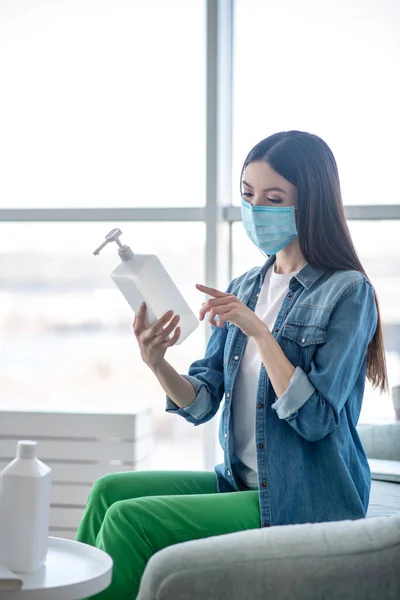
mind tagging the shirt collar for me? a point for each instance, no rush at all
(307, 276)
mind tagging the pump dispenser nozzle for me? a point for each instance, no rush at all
(143, 278)
(125, 253)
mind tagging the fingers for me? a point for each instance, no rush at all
(172, 341)
(210, 291)
(157, 334)
(166, 332)
(215, 302)
(222, 319)
(217, 315)
(156, 328)
(162, 339)
(138, 323)
(220, 303)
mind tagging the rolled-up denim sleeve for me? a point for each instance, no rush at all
(201, 407)
(299, 390)
(207, 378)
(312, 402)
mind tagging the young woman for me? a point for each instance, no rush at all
(291, 346)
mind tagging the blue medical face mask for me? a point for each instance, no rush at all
(269, 228)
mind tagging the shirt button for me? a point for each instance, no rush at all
(264, 484)
(225, 435)
(228, 395)
(261, 446)
(260, 405)
(303, 341)
(289, 295)
(236, 357)
(276, 329)
(266, 524)
(228, 473)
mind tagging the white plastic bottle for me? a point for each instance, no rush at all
(142, 277)
(25, 486)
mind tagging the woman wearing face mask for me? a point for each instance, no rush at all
(291, 346)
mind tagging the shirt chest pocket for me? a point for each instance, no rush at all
(300, 342)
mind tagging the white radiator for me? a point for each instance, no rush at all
(79, 448)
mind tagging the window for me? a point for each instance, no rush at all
(325, 67)
(104, 103)
(328, 68)
(66, 331)
(378, 245)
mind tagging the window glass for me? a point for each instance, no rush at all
(66, 339)
(102, 103)
(330, 68)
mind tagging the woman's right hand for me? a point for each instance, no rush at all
(155, 340)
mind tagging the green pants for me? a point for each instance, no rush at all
(133, 515)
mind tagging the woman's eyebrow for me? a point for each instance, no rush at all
(272, 189)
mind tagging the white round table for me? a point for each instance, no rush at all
(71, 571)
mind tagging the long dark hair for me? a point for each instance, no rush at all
(307, 162)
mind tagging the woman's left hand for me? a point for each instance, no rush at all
(230, 308)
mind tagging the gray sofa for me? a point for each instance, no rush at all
(346, 560)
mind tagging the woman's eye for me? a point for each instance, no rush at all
(247, 195)
(275, 200)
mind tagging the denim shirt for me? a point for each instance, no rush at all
(310, 461)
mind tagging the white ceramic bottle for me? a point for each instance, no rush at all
(142, 277)
(25, 488)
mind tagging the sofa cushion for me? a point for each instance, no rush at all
(384, 499)
(385, 470)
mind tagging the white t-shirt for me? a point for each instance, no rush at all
(244, 397)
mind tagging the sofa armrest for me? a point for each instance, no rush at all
(381, 441)
(323, 561)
